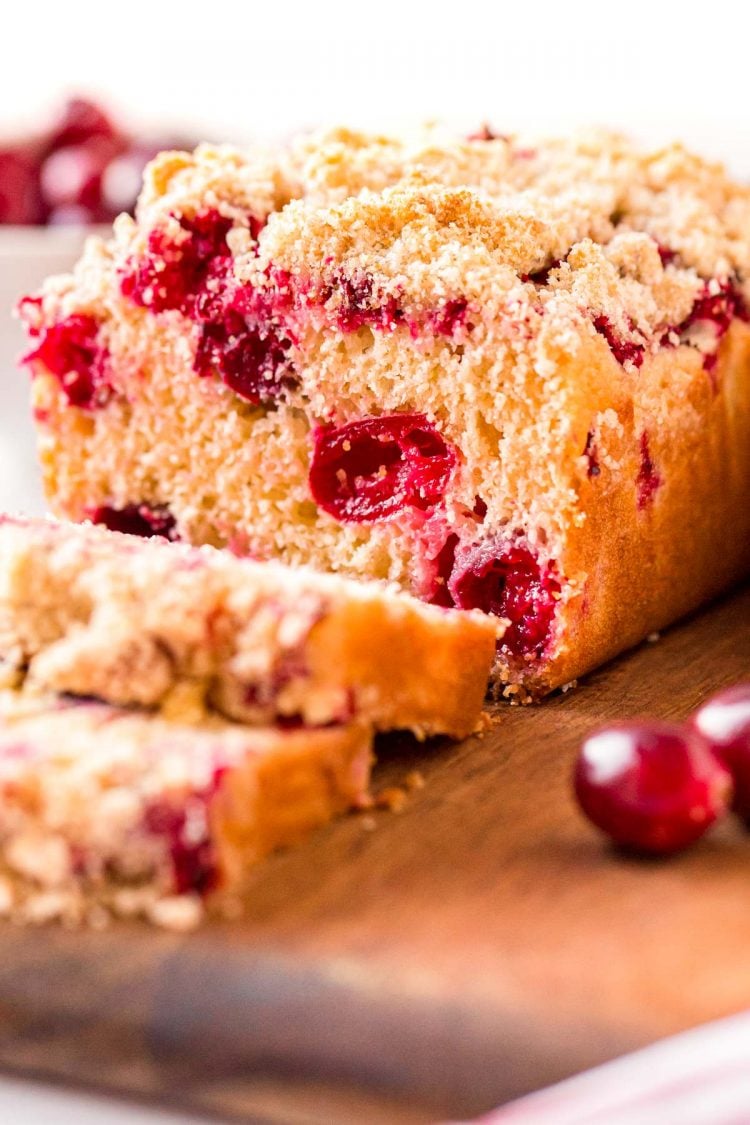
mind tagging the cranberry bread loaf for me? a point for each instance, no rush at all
(106, 811)
(131, 621)
(507, 377)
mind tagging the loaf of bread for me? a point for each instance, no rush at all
(506, 376)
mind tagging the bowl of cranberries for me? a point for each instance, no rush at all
(655, 788)
(83, 170)
(57, 185)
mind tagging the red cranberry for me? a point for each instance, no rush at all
(717, 304)
(654, 787)
(358, 304)
(123, 176)
(20, 201)
(724, 721)
(624, 351)
(136, 519)
(175, 274)
(192, 853)
(434, 563)
(248, 347)
(374, 467)
(507, 580)
(241, 337)
(667, 256)
(71, 177)
(70, 350)
(80, 120)
(479, 510)
(648, 479)
(451, 316)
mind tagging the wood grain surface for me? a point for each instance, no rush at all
(426, 964)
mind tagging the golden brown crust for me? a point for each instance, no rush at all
(274, 802)
(643, 568)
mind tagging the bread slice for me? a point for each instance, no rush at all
(110, 812)
(131, 621)
(509, 376)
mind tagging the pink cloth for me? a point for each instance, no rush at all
(700, 1077)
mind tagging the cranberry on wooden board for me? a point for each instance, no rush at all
(724, 721)
(651, 786)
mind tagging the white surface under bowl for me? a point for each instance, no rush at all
(27, 256)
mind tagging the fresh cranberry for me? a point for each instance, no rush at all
(654, 787)
(192, 855)
(649, 479)
(70, 350)
(71, 177)
(249, 348)
(174, 274)
(136, 519)
(80, 120)
(20, 201)
(374, 467)
(507, 580)
(624, 351)
(724, 721)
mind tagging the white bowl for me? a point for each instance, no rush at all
(27, 256)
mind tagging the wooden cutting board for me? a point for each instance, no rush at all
(431, 963)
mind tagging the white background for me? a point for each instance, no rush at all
(249, 69)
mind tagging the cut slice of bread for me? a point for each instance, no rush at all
(131, 621)
(108, 811)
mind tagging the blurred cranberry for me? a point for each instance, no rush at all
(724, 721)
(80, 121)
(72, 176)
(19, 192)
(70, 215)
(83, 170)
(123, 176)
